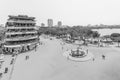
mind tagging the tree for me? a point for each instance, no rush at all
(95, 34)
(116, 37)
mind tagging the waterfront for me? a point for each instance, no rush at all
(107, 31)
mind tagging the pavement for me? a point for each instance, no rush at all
(48, 63)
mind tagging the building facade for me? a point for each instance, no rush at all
(21, 34)
(50, 23)
(59, 24)
(42, 25)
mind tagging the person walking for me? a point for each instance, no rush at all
(1, 75)
(62, 47)
(12, 61)
(6, 70)
(35, 47)
(26, 57)
(103, 57)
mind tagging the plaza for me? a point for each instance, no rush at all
(48, 63)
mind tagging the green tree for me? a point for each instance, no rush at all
(116, 37)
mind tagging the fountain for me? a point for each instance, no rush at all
(78, 54)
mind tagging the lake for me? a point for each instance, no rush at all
(103, 32)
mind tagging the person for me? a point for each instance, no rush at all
(93, 59)
(1, 75)
(35, 47)
(6, 70)
(12, 61)
(26, 57)
(103, 56)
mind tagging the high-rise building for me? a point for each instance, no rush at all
(59, 24)
(21, 34)
(50, 23)
(42, 25)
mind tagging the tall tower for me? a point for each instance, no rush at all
(50, 23)
(59, 24)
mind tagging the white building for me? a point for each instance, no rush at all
(21, 34)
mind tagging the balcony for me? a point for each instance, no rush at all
(25, 27)
(21, 38)
(20, 21)
(20, 44)
(21, 30)
(11, 33)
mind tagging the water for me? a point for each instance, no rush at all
(103, 32)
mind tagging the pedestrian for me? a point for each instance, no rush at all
(62, 47)
(12, 61)
(35, 47)
(1, 75)
(6, 70)
(103, 56)
(93, 59)
(26, 57)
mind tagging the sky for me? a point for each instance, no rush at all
(70, 12)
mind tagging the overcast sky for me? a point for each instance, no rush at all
(70, 12)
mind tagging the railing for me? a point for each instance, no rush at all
(21, 38)
(21, 21)
(20, 35)
(21, 43)
(20, 30)
(25, 27)
(10, 33)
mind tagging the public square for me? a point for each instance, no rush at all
(48, 63)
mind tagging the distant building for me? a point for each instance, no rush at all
(2, 34)
(59, 24)
(42, 25)
(50, 23)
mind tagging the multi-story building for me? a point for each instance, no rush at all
(59, 24)
(21, 34)
(50, 23)
(42, 25)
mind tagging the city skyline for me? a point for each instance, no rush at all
(70, 12)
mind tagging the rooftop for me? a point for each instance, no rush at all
(21, 16)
